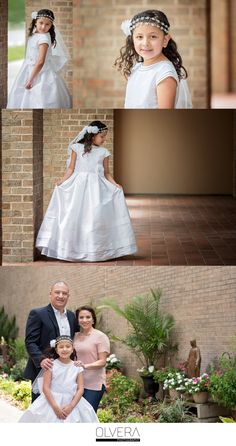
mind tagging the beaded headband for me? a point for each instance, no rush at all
(36, 15)
(128, 26)
(54, 342)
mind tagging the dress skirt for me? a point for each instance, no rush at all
(87, 220)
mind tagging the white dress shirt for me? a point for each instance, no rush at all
(62, 320)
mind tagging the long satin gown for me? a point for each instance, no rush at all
(87, 218)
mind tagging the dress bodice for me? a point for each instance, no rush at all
(64, 377)
(32, 50)
(90, 162)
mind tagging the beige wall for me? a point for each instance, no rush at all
(3, 53)
(174, 152)
(202, 299)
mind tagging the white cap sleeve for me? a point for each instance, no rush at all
(44, 38)
(106, 153)
(80, 370)
(167, 70)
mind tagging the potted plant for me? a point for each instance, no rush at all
(175, 383)
(149, 329)
(198, 387)
(151, 387)
(223, 381)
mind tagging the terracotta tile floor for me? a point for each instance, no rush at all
(179, 230)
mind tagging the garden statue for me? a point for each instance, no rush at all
(193, 364)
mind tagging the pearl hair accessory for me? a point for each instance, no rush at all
(35, 15)
(128, 26)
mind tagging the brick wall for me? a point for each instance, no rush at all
(3, 52)
(201, 299)
(21, 177)
(98, 39)
(63, 12)
(60, 127)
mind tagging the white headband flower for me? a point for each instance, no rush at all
(34, 15)
(125, 26)
(53, 343)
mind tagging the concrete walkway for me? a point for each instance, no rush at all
(8, 413)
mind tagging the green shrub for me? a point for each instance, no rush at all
(175, 412)
(22, 393)
(8, 327)
(18, 350)
(106, 416)
(141, 419)
(17, 371)
(123, 392)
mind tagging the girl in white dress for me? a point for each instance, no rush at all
(38, 84)
(87, 218)
(61, 399)
(151, 63)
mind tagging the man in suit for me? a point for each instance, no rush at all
(45, 324)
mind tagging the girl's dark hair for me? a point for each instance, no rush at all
(50, 352)
(88, 137)
(51, 30)
(128, 56)
(87, 308)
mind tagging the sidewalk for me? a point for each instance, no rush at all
(8, 413)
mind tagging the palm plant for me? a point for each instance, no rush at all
(150, 329)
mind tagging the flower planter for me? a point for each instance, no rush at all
(174, 394)
(150, 386)
(200, 398)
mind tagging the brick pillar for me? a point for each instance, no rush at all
(63, 12)
(234, 155)
(98, 39)
(60, 127)
(3, 52)
(22, 175)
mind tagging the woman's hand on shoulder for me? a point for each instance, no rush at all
(79, 363)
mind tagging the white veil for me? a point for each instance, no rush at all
(60, 54)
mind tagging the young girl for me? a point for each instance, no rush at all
(38, 84)
(61, 399)
(152, 64)
(87, 218)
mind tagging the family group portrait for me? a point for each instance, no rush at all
(105, 345)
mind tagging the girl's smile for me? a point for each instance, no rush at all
(43, 25)
(148, 43)
(64, 349)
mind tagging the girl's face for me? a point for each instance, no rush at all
(148, 43)
(85, 319)
(99, 138)
(64, 349)
(43, 25)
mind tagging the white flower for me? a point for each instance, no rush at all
(151, 368)
(111, 356)
(114, 360)
(34, 15)
(92, 129)
(53, 343)
(125, 26)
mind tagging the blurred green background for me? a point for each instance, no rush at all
(16, 11)
(16, 27)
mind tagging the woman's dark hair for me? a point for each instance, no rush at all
(51, 30)
(128, 56)
(88, 137)
(87, 308)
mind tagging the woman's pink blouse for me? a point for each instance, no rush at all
(87, 349)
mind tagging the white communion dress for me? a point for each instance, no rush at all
(87, 218)
(63, 388)
(143, 81)
(49, 89)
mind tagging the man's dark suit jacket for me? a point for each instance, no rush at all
(41, 328)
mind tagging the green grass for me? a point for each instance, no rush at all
(16, 53)
(16, 11)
